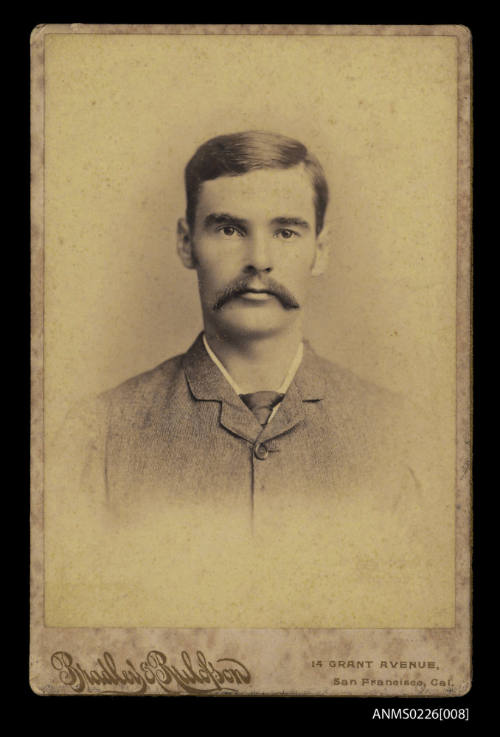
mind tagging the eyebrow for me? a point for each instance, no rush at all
(291, 221)
(224, 218)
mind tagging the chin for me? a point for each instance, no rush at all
(251, 327)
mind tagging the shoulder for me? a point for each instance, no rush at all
(344, 386)
(391, 421)
(367, 409)
(146, 386)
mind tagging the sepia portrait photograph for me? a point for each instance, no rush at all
(250, 360)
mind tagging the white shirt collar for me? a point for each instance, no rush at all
(285, 383)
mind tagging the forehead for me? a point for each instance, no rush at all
(260, 194)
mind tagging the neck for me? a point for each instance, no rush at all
(257, 364)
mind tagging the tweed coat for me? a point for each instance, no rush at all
(180, 435)
(186, 512)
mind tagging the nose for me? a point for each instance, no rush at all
(258, 255)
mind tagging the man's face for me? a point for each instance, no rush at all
(255, 249)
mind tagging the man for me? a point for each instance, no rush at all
(250, 418)
(248, 481)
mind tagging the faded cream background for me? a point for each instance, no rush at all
(123, 114)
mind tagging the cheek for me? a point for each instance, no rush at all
(212, 275)
(217, 265)
(298, 267)
(298, 255)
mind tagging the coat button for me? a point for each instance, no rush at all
(261, 452)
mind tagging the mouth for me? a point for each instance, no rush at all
(256, 295)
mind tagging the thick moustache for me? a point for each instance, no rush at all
(254, 285)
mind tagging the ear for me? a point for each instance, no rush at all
(185, 244)
(321, 255)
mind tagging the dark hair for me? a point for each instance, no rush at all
(239, 153)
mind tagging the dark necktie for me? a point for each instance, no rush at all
(262, 403)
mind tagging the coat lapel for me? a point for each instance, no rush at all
(208, 384)
(307, 386)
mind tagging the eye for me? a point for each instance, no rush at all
(286, 234)
(229, 231)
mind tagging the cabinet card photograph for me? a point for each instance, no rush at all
(251, 256)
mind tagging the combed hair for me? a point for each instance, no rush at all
(238, 153)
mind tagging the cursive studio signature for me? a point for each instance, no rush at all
(189, 675)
